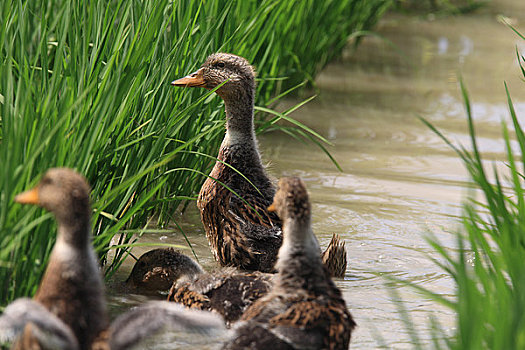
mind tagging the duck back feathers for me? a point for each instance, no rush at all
(241, 231)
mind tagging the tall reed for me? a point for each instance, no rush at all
(85, 84)
(488, 268)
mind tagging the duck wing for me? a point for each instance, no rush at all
(228, 291)
(29, 317)
(334, 257)
(243, 233)
(253, 210)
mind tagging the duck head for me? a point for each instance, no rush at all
(62, 191)
(158, 269)
(234, 73)
(291, 200)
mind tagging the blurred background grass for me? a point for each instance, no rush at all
(85, 84)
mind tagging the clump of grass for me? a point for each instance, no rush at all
(85, 84)
(488, 268)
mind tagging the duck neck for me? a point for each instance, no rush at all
(299, 264)
(298, 237)
(75, 232)
(239, 118)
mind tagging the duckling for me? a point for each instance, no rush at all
(72, 287)
(304, 309)
(240, 230)
(69, 308)
(228, 291)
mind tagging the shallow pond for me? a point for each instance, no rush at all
(399, 182)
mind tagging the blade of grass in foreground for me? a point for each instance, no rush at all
(488, 267)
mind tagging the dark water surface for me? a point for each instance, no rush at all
(399, 181)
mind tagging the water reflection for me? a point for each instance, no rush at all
(400, 181)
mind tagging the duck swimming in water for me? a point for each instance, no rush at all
(157, 270)
(240, 229)
(304, 309)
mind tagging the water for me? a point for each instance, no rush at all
(400, 182)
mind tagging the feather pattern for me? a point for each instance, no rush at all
(241, 232)
(228, 292)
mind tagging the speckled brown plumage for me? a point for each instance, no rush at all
(304, 309)
(241, 232)
(334, 257)
(228, 292)
(237, 234)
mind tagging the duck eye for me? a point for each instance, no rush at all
(219, 64)
(46, 181)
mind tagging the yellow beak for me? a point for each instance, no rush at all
(28, 197)
(195, 79)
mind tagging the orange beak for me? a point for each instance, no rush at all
(195, 79)
(271, 208)
(28, 197)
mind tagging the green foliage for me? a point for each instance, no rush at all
(489, 270)
(488, 267)
(85, 84)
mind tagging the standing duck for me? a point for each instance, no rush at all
(304, 309)
(240, 229)
(69, 308)
(228, 292)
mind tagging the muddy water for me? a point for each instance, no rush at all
(399, 181)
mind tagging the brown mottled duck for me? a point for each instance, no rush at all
(304, 309)
(240, 229)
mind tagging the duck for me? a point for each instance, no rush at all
(304, 309)
(71, 288)
(156, 270)
(69, 309)
(228, 291)
(234, 198)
